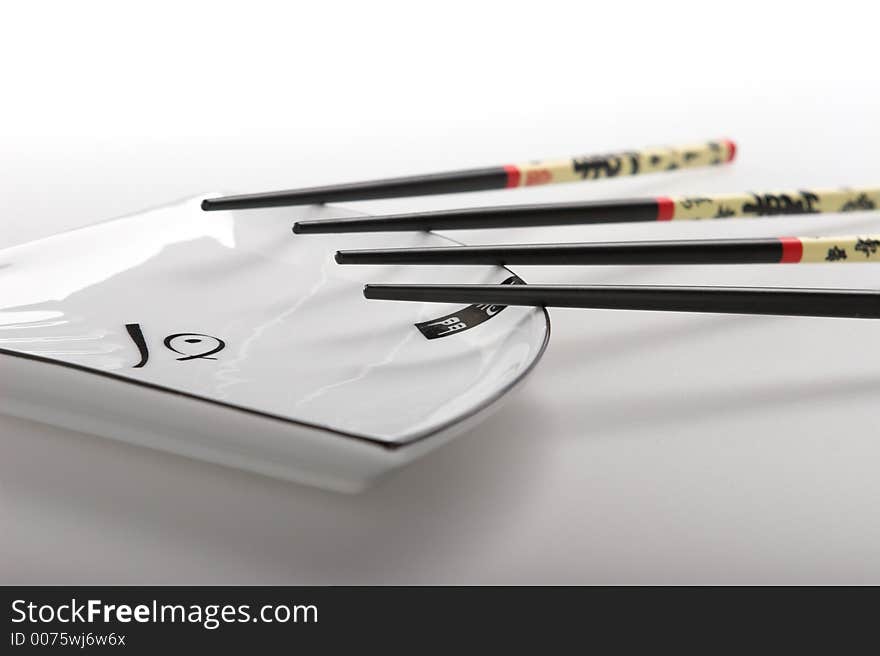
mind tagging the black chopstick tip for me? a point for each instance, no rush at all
(307, 227)
(216, 205)
(357, 257)
(375, 292)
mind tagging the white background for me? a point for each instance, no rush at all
(645, 447)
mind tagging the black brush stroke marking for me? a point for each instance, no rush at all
(137, 336)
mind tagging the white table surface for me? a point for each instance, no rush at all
(644, 448)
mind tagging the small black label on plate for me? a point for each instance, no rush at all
(464, 319)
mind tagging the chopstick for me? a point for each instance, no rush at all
(662, 208)
(856, 304)
(636, 162)
(781, 250)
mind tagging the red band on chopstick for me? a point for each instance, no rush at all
(512, 175)
(665, 208)
(731, 149)
(792, 250)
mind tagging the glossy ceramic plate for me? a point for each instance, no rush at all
(224, 336)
